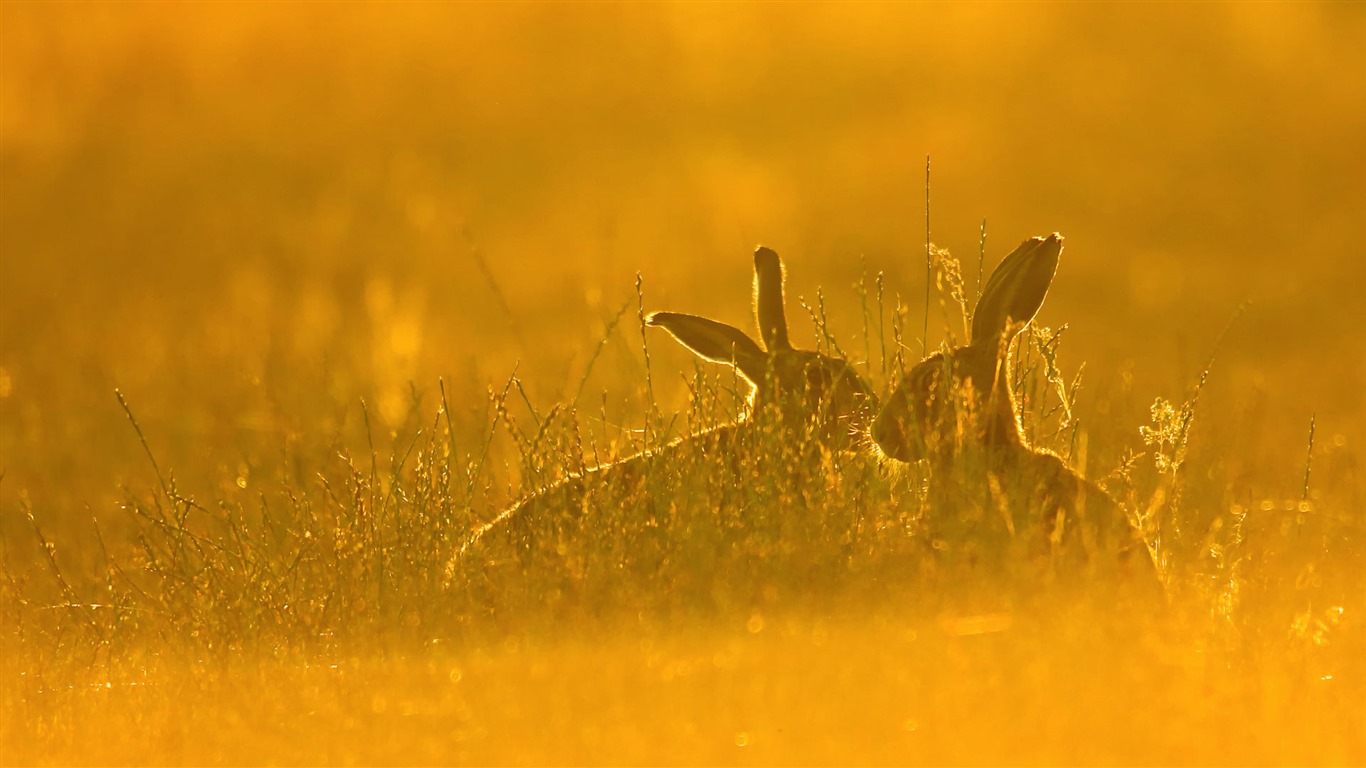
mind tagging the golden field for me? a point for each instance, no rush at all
(361, 273)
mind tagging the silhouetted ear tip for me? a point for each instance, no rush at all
(765, 254)
(1048, 244)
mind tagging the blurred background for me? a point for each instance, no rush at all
(250, 217)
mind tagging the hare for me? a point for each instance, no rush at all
(799, 395)
(956, 411)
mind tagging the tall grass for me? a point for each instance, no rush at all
(350, 572)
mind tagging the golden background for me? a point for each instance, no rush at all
(251, 217)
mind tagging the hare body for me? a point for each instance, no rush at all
(956, 411)
(800, 401)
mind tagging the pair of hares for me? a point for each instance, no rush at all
(950, 406)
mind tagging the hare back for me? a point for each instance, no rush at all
(692, 498)
(614, 499)
(1082, 523)
(1034, 511)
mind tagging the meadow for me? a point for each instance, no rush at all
(293, 298)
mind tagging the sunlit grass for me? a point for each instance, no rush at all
(773, 601)
(293, 302)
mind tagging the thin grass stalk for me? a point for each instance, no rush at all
(597, 350)
(929, 266)
(981, 265)
(1308, 458)
(652, 409)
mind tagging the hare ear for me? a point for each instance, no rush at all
(768, 300)
(715, 341)
(1016, 289)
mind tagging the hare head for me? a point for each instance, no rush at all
(962, 398)
(812, 393)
